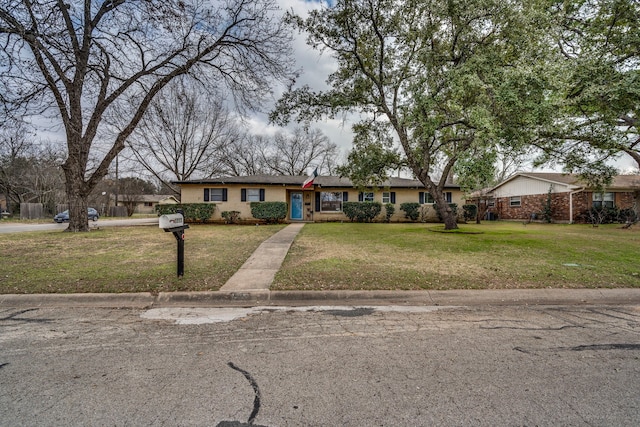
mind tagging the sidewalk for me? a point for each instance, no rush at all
(258, 272)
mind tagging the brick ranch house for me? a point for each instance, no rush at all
(321, 201)
(524, 194)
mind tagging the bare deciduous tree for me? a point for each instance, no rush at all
(29, 171)
(283, 154)
(183, 134)
(293, 154)
(245, 156)
(79, 61)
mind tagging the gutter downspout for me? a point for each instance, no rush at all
(571, 203)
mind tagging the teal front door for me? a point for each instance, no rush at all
(296, 206)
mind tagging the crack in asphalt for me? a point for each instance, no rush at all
(532, 329)
(597, 347)
(584, 347)
(13, 317)
(256, 401)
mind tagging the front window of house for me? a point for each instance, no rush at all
(215, 195)
(515, 201)
(426, 197)
(603, 200)
(330, 201)
(386, 197)
(367, 196)
(253, 194)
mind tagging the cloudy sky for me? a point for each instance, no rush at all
(315, 70)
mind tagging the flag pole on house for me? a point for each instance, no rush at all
(309, 181)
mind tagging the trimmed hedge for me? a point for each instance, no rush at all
(361, 211)
(192, 211)
(469, 212)
(411, 210)
(389, 210)
(271, 212)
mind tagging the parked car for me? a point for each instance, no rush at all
(92, 214)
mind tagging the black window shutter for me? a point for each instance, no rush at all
(262, 194)
(448, 196)
(317, 202)
(421, 197)
(360, 196)
(224, 194)
(206, 194)
(345, 196)
(243, 194)
(393, 197)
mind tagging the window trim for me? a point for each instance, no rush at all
(253, 195)
(390, 197)
(320, 199)
(366, 196)
(244, 194)
(604, 199)
(427, 198)
(208, 194)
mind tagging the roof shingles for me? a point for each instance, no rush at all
(320, 181)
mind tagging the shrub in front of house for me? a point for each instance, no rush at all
(271, 212)
(192, 211)
(607, 215)
(469, 212)
(424, 213)
(389, 210)
(230, 217)
(411, 210)
(361, 211)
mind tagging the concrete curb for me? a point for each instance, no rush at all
(132, 300)
(498, 297)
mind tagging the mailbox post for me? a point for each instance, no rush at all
(175, 224)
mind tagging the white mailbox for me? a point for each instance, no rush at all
(171, 221)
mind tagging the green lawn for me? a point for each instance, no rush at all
(488, 256)
(326, 256)
(125, 259)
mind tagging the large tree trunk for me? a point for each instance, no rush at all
(436, 190)
(446, 213)
(77, 196)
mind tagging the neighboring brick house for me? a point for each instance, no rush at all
(321, 201)
(525, 194)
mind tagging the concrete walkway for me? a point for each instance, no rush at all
(258, 272)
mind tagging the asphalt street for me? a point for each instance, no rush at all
(540, 365)
(14, 227)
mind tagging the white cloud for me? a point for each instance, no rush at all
(316, 67)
